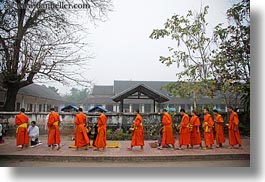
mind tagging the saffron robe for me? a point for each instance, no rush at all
(208, 130)
(138, 132)
(22, 129)
(168, 134)
(219, 129)
(184, 134)
(101, 140)
(233, 129)
(53, 128)
(81, 138)
(195, 135)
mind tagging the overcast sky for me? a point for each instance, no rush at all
(122, 48)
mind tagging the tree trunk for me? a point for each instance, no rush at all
(10, 102)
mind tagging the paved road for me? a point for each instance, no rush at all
(221, 163)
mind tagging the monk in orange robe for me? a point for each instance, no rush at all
(101, 140)
(168, 134)
(53, 129)
(208, 129)
(219, 129)
(81, 138)
(233, 129)
(138, 132)
(22, 122)
(195, 134)
(184, 134)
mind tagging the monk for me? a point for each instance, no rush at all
(208, 129)
(138, 132)
(53, 129)
(184, 134)
(168, 134)
(22, 122)
(233, 130)
(101, 140)
(195, 134)
(81, 138)
(219, 129)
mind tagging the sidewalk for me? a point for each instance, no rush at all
(8, 151)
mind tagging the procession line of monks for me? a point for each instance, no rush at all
(189, 133)
(189, 130)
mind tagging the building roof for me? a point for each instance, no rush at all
(140, 91)
(40, 91)
(102, 90)
(120, 86)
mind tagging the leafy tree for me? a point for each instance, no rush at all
(77, 96)
(54, 89)
(211, 64)
(41, 40)
(232, 60)
(192, 53)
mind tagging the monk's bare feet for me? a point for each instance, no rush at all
(129, 148)
(52, 147)
(159, 148)
(58, 148)
(20, 147)
(97, 149)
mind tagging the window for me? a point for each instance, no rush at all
(147, 108)
(126, 108)
(40, 107)
(29, 107)
(109, 107)
(135, 106)
(18, 106)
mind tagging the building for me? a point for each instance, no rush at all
(105, 96)
(35, 98)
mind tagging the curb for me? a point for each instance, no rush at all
(51, 158)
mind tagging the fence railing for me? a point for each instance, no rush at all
(118, 124)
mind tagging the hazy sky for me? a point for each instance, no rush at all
(122, 48)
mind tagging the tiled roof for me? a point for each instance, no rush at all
(40, 91)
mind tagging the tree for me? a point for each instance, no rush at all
(40, 40)
(232, 58)
(54, 89)
(192, 53)
(77, 96)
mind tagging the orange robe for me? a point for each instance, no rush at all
(195, 135)
(233, 130)
(184, 134)
(138, 133)
(81, 138)
(208, 130)
(219, 129)
(22, 130)
(53, 128)
(168, 134)
(101, 140)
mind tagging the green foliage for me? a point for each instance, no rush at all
(193, 49)
(217, 63)
(193, 53)
(77, 96)
(232, 59)
(54, 89)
